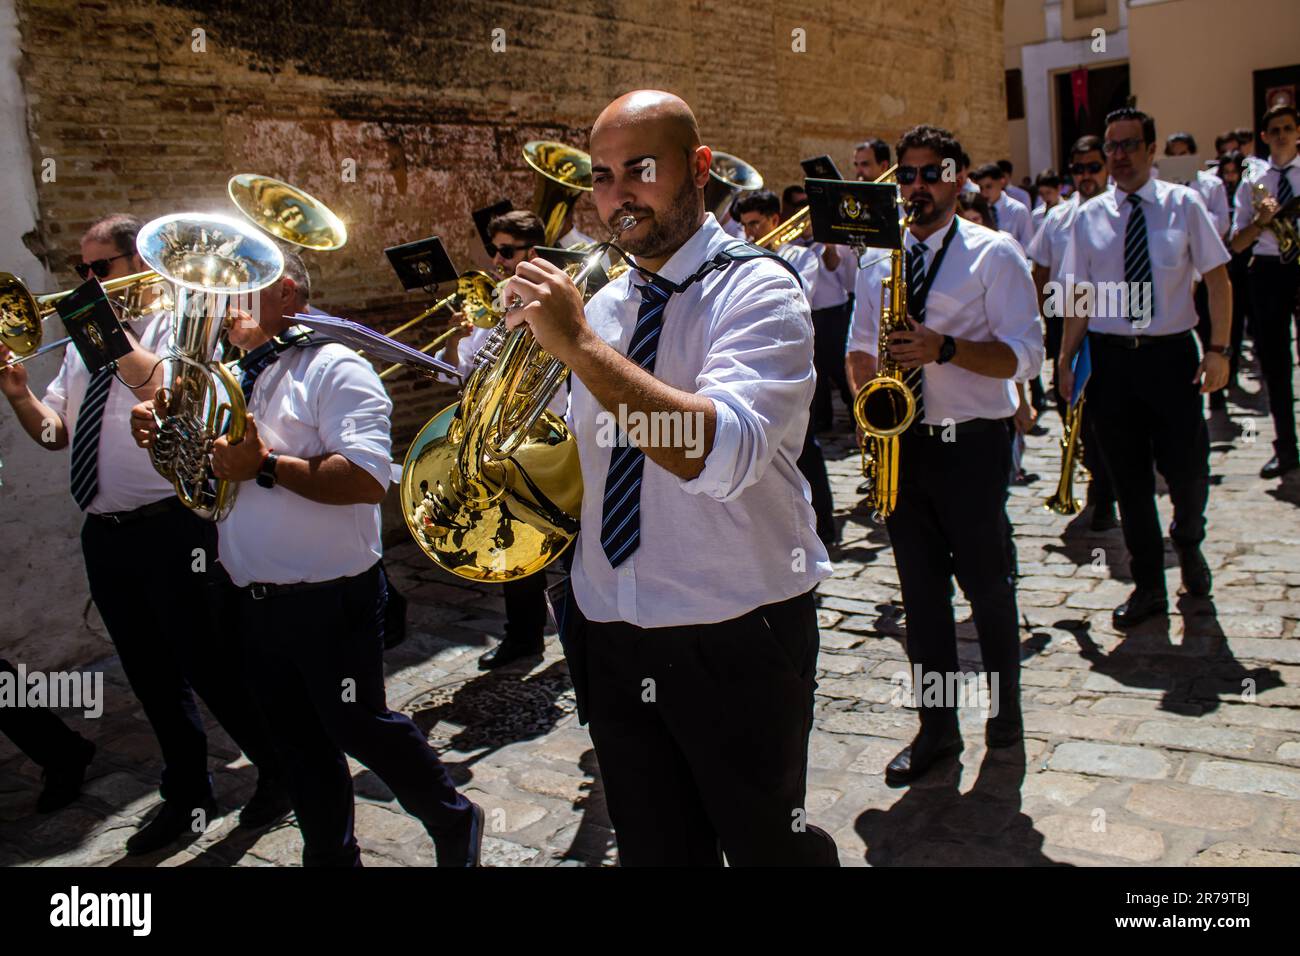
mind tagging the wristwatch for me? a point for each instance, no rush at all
(1221, 349)
(947, 350)
(266, 474)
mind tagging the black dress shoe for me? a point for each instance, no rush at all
(1196, 571)
(173, 821)
(926, 750)
(269, 804)
(63, 780)
(1277, 467)
(1103, 518)
(510, 650)
(1142, 604)
(465, 846)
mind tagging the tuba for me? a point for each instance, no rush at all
(563, 175)
(491, 487)
(208, 259)
(885, 406)
(728, 177)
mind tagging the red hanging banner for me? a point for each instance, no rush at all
(1079, 91)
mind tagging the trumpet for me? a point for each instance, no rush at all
(491, 488)
(1285, 224)
(885, 406)
(1063, 501)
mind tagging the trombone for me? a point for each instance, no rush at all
(475, 291)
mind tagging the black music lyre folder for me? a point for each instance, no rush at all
(93, 325)
(820, 167)
(854, 213)
(485, 215)
(375, 344)
(421, 264)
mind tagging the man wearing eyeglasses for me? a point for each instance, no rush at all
(1088, 168)
(514, 235)
(1273, 282)
(973, 333)
(135, 531)
(1139, 247)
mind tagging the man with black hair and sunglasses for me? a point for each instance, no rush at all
(1137, 248)
(972, 332)
(1047, 251)
(136, 529)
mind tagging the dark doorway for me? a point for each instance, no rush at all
(1107, 90)
(1282, 82)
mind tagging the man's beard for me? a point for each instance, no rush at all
(667, 231)
(1090, 195)
(932, 212)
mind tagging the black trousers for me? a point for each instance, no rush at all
(152, 581)
(525, 608)
(812, 465)
(316, 658)
(37, 731)
(701, 733)
(1147, 412)
(1239, 276)
(1273, 302)
(951, 520)
(830, 343)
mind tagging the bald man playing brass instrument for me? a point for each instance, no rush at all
(690, 626)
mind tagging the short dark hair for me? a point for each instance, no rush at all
(1006, 167)
(936, 138)
(1185, 138)
(1049, 178)
(879, 149)
(988, 171)
(788, 194)
(1233, 157)
(1086, 144)
(1223, 138)
(296, 269)
(964, 161)
(1133, 113)
(519, 224)
(976, 201)
(761, 201)
(1276, 110)
(1244, 134)
(119, 228)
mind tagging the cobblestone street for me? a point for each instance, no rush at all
(1176, 745)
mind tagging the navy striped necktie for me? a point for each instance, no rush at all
(84, 469)
(620, 511)
(1284, 191)
(914, 378)
(1137, 258)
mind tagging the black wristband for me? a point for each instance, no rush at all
(266, 474)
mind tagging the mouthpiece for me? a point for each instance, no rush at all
(624, 224)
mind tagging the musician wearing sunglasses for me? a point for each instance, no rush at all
(690, 627)
(514, 235)
(1273, 282)
(1147, 239)
(973, 332)
(1047, 252)
(136, 526)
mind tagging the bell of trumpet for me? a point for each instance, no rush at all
(563, 175)
(728, 176)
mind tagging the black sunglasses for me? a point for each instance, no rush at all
(509, 252)
(930, 173)
(101, 267)
(1092, 167)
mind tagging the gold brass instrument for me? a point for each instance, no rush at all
(885, 406)
(1285, 224)
(208, 259)
(563, 175)
(473, 297)
(491, 487)
(22, 314)
(1063, 501)
(287, 213)
(728, 176)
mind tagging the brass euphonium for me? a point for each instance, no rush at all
(1285, 224)
(885, 406)
(563, 175)
(491, 487)
(728, 177)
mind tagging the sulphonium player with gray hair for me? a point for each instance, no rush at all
(301, 548)
(696, 676)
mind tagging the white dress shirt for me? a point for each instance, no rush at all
(1244, 213)
(1252, 162)
(312, 401)
(127, 478)
(1048, 247)
(828, 292)
(1036, 217)
(1013, 218)
(822, 286)
(848, 270)
(742, 534)
(1181, 242)
(1019, 195)
(982, 292)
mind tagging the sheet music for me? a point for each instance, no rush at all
(375, 344)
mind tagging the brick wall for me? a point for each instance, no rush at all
(135, 118)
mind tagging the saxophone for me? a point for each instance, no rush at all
(885, 406)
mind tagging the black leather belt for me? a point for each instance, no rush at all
(151, 510)
(259, 590)
(1138, 341)
(971, 427)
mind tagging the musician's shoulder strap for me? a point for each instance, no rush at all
(740, 252)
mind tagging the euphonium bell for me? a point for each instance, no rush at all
(563, 175)
(728, 177)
